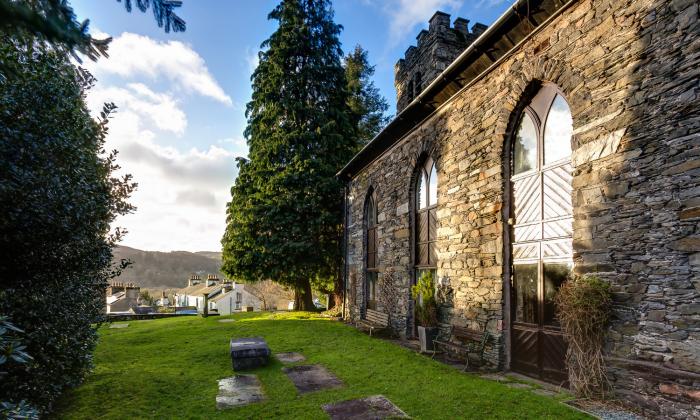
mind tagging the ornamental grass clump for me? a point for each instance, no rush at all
(424, 294)
(583, 309)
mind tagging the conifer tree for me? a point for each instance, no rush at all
(367, 105)
(285, 215)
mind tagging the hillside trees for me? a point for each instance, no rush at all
(284, 218)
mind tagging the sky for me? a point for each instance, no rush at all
(181, 98)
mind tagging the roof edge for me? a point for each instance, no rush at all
(443, 88)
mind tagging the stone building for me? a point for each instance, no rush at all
(563, 138)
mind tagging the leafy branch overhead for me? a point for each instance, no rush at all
(55, 21)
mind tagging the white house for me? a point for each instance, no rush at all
(122, 297)
(191, 295)
(234, 298)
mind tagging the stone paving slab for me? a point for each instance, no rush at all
(310, 378)
(290, 357)
(118, 326)
(239, 390)
(371, 408)
(227, 320)
(494, 377)
(544, 392)
(519, 385)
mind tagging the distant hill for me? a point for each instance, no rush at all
(153, 269)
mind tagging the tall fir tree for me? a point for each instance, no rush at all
(285, 215)
(367, 106)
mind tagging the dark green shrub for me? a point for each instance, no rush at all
(59, 197)
(13, 351)
(583, 309)
(426, 305)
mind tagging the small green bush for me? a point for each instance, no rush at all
(583, 309)
(426, 305)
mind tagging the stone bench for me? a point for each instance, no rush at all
(249, 353)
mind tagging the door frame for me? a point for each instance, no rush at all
(507, 213)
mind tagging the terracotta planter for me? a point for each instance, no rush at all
(426, 335)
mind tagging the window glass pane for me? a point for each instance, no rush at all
(372, 290)
(557, 131)
(525, 152)
(554, 275)
(370, 212)
(432, 199)
(525, 285)
(421, 192)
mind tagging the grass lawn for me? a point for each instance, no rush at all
(169, 368)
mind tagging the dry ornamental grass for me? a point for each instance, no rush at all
(583, 308)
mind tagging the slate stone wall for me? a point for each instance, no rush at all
(629, 70)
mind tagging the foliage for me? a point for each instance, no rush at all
(284, 220)
(163, 12)
(55, 22)
(424, 294)
(147, 299)
(180, 358)
(583, 309)
(61, 196)
(12, 351)
(367, 105)
(11, 348)
(269, 293)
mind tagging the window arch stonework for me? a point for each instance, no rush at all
(540, 214)
(424, 211)
(371, 262)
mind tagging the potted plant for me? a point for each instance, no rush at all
(426, 310)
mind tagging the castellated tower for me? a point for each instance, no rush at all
(437, 48)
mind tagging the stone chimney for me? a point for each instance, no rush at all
(436, 49)
(194, 280)
(114, 288)
(212, 279)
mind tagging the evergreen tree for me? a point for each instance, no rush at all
(366, 104)
(285, 215)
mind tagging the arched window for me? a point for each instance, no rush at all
(371, 264)
(410, 92)
(426, 216)
(418, 84)
(542, 212)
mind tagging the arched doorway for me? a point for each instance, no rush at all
(541, 233)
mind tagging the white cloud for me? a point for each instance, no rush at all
(252, 58)
(182, 194)
(491, 3)
(160, 108)
(133, 56)
(405, 15)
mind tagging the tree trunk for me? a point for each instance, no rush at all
(303, 298)
(335, 299)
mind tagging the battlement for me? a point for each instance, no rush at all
(435, 49)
